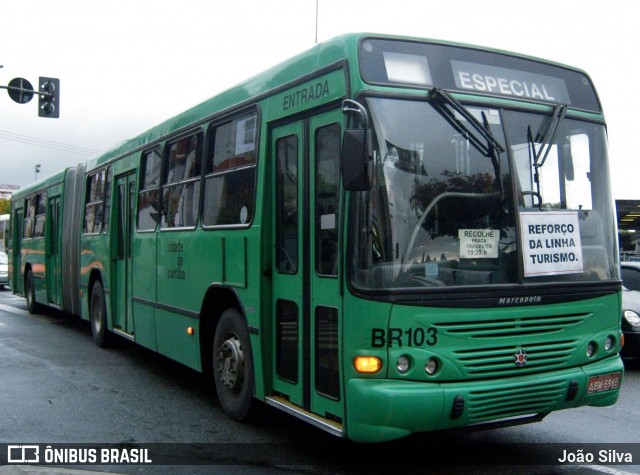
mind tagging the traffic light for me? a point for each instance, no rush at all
(49, 98)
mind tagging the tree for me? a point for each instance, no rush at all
(5, 206)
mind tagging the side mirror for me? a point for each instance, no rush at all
(356, 160)
(356, 151)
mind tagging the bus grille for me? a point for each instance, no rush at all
(510, 327)
(515, 400)
(497, 361)
(510, 335)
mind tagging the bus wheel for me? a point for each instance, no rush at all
(98, 315)
(233, 365)
(30, 292)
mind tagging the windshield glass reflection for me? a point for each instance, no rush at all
(443, 209)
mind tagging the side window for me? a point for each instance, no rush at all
(40, 214)
(149, 195)
(107, 199)
(29, 216)
(97, 201)
(287, 204)
(230, 184)
(181, 183)
(326, 200)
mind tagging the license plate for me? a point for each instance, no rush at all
(603, 383)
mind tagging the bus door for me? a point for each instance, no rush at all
(17, 229)
(54, 251)
(122, 317)
(306, 292)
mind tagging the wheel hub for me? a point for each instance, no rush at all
(231, 363)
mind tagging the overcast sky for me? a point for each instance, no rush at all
(126, 65)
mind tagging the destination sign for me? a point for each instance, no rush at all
(509, 82)
(418, 64)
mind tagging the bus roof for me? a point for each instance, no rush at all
(46, 182)
(322, 55)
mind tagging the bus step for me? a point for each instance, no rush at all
(333, 427)
(124, 334)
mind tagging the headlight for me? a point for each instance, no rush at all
(403, 364)
(632, 318)
(608, 343)
(431, 366)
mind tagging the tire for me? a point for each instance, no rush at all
(233, 366)
(98, 317)
(30, 293)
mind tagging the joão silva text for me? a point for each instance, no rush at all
(604, 456)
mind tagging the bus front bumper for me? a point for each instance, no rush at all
(383, 409)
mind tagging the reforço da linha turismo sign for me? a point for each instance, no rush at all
(551, 243)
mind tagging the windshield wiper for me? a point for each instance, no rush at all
(491, 147)
(546, 138)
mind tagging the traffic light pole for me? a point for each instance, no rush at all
(21, 91)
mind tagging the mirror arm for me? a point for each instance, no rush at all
(349, 105)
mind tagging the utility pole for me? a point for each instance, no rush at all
(317, 6)
(37, 170)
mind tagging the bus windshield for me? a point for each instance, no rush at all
(451, 207)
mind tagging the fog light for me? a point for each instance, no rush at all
(608, 343)
(367, 364)
(573, 390)
(591, 349)
(403, 364)
(431, 367)
(458, 407)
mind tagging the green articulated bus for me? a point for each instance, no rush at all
(380, 236)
